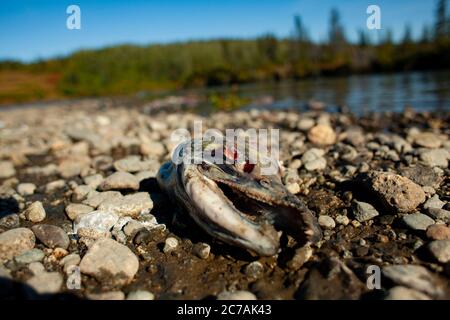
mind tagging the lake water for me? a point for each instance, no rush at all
(360, 93)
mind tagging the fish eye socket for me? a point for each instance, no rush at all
(264, 182)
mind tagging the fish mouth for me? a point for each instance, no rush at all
(286, 213)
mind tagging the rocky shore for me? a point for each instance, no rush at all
(81, 214)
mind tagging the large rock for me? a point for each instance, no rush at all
(15, 242)
(397, 193)
(414, 277)
(435, 157)
(51, 236)
(108, 260)
(130, 205)
(120, 181)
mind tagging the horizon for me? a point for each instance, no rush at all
(40, 32)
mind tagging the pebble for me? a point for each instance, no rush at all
(153, 148)
(75, 210)
(427, 140)
(111, 295)
(439, 214)
(46, 282)
(80, 193)
(33, 255)
(417, 221)
(108, 257)
(51, 236)
(434, 202)
(130, 205)
(15, 242)
(396, 192)
(293, 188)
(10, 221)
(6, 169)
(322, 134)
(26, 189)
(93, 181)
(305, 124)
(135, 164)
(72, 259)
(327, 222)
(120, 181)
(404, 293)
(341, 219)
(170, 244)
(54, 185)
(414, 277)
(202, 250)
(364, 211)
(69, 168)
(236, 295)
(132, 227)
(140, 295)
(438, 232)
(422, 175)
(435, 157)
(35, 212)
(254, 269)
(313, 159)
(97, 221)
(301, 256)
(440, 249)
(94, 199)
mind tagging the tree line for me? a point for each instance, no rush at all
(128, 69)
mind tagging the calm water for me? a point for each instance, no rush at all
(361, 93)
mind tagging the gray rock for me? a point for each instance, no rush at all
(326, 222)
(109, 260)
(435, 157)
(414, 277)
(51, 236)
(417, 221)
(120, 181)
(140, 295)
(403, 293)
(15, 242)
(440, 249)
(439, 214)
(6, 169)
(422, 175)
(130, 205)
(397, 193)
(33, 255)
(236, 295)
(26, 189)
(434, 202)
(35, 212)
(364, 211)
(75, 210)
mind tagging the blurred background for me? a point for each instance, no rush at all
(229, 54)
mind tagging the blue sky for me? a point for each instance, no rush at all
(35, 29)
